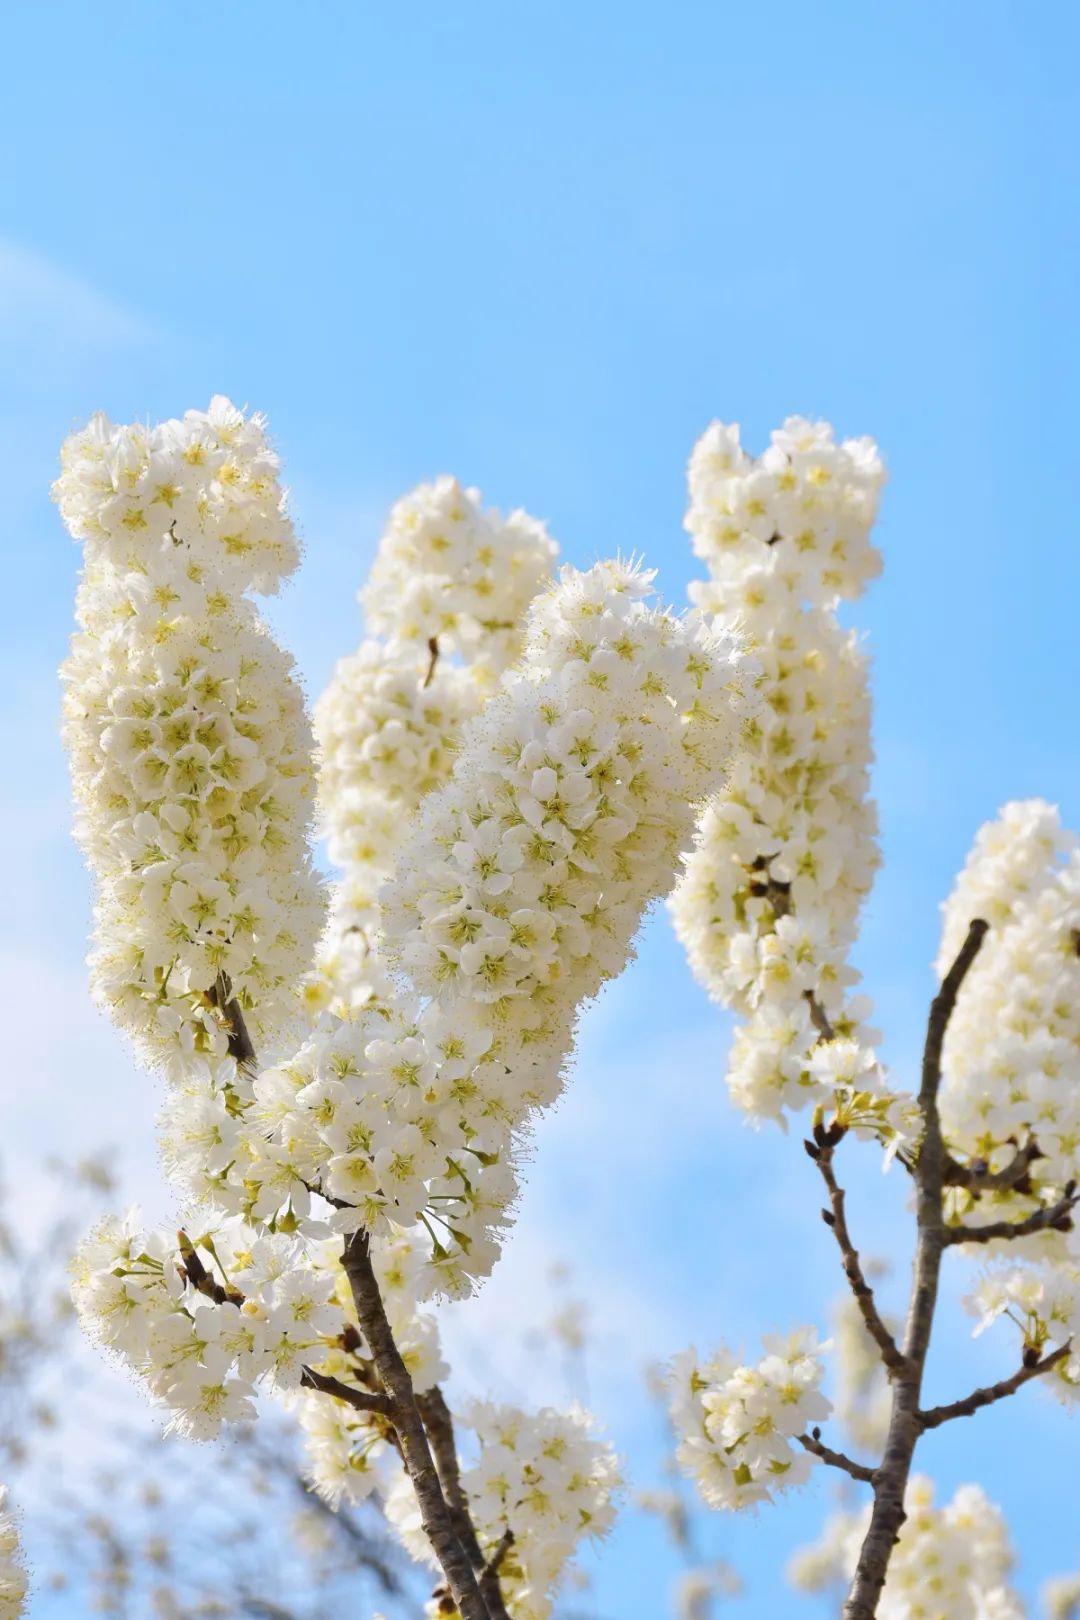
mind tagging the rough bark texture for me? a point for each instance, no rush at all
(905, 1426)
(415, 1450)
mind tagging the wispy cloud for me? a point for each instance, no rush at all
(50, 317)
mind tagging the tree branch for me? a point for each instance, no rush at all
(891, 1477)
(937, 1415)
(415, 1449)
(836, 1218)
(241, 1046)
(979, 1178)
(812, 1442)
(361, 1399)
(1052, 1217)
(433, 659)
(490, 1586)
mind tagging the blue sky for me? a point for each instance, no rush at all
(540, 247)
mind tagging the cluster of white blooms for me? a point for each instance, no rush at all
(13, 1581)
(204, 1320)
(190, 751)
(543, 1480)
(950, 1563)
(1043, 1300)
(449, 591)
(1012, 1050)
(737, 1423)
(767, 910)
(1061, 1597)
(519, 889)
(448, 571)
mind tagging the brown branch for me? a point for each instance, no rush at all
(1051, 1218)
(199, 1278)
(812, 1442)
(836, 1218)
(937, 1415)
(433, 659)
(891, 1477)
(361, 1399)
(415, 1448)
(977, 1177)
(241, 1046)
(490, 1586)
(440, 1431)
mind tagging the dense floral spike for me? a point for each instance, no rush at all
(203, 1320)
(190, 751)
(449, 571)
(737, 1423)
(13, 1582)
(520, 887)
(387, 725)
(951, 1563)
(1012, 1055)
(786, 854)
(541, 1485)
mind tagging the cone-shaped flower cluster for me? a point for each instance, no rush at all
(449, 592)
(189, 748)
(785, 855)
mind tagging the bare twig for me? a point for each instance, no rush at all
(361, 1399)
(812, 1442)
(489, 1580)
(433, 659)
(1052, 1217)
(198, 1276)
(415, 1449)
(836, 1218)
(979, 1178)
(891, 1477)
(937, 1415)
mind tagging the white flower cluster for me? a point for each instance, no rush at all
(13, 1583)
(1043, 1300)
(520, 886)
(544, 1478)
(1061, 1597)
(767, 910)
(204, 1320)
(449, 591)
(1012, 1052)
(737, 1423)
(190, 753)
(950, 1563)
(449, 571)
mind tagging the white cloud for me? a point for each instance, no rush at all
(50, 318)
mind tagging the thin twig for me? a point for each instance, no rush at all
(363, 1400)
(199, 1278)
(979, 1178)
(836, 1459)
(241, 1046)
(433, 659)
(1052, 1217)
(891, 1477)
(490, 1586)
(836, 1218)
(937, 1415)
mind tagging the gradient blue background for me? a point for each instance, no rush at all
(541, 246)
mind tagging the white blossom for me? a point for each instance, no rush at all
(518, 891)
(13, 1582)
(190, 752)
(950, 1563)
(449, 571)
(786, 853)
(544, 1478)
(1012, 1050)
(737, 1423)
